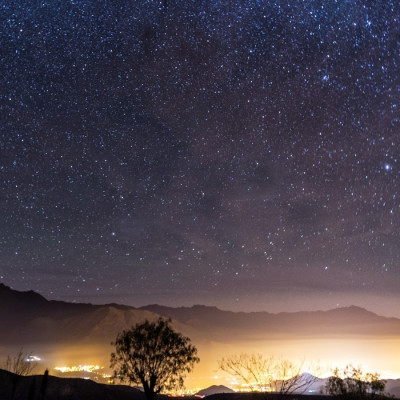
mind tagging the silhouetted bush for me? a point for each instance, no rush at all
(352, 382)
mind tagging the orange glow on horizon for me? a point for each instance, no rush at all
(373, 354)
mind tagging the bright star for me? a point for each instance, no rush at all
(388, 167)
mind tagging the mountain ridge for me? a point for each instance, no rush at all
(195, 307)
(203, 307)
(352, 319)
(28, 314)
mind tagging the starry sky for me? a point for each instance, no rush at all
(239, 153)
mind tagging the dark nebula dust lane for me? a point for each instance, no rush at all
(237, 153)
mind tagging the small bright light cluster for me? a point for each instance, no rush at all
(79, 368)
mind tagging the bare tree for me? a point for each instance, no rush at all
(267, 374)
(253, 370)
(291, 378)
(21, 364)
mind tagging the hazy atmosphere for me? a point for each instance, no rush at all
(242, 154)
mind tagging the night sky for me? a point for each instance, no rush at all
(240, 153)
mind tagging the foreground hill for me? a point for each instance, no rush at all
(62, 389)
(31, 387)
(274, 396)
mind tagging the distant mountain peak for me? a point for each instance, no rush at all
(29, 294)
(214, 389)
(352, 309)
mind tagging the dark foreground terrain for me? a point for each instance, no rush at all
(31, 388)
(35, 387)
(275, 396)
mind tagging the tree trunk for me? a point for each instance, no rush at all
(150, 395)
(148, 391)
